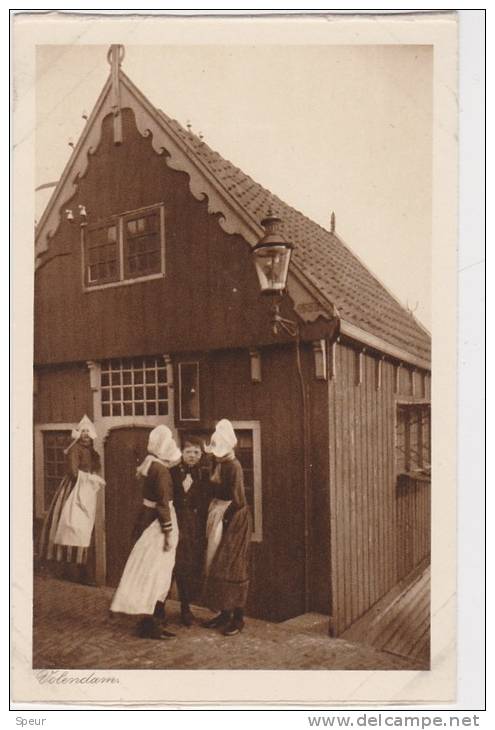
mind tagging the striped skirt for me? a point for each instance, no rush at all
(147, 575)
(48, 550)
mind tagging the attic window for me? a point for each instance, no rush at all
(124, 248)
(102, 255)
(142, 244)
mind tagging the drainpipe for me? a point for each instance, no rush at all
(332, 339)
(307, 464)
(306, 434)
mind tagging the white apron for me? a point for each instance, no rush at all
(147, 574)
(77, 518)
(214, 529)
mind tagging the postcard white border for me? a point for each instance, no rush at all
(247, 687)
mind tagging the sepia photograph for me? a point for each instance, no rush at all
(229, 404)
(232, 354)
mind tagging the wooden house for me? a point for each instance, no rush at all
(148, 311)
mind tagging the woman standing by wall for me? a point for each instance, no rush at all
(68, 526)
(228, 534)
(147, 575)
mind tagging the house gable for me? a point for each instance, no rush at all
(325, 280)
(208, 299)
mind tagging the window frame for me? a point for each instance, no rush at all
(98, 225)
(119, 221)
(110, 402)
(422, 470)
(40, 508)
(255, 428)
(198, 370)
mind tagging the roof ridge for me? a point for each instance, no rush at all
(189, 133)
(332, 271)
(195, 144)
(379, 281)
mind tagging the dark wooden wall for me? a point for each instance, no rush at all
(368, 510)
(63, 394)
(209, 301)
(367, 529)
(278, 562)
(413, 523)
(319, 507)
(209, 298)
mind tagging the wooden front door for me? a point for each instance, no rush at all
(125, 448)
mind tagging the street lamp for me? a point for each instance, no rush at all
(271, 259)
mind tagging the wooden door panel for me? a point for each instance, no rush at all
(125, 448)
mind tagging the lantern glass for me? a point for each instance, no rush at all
(272, 266)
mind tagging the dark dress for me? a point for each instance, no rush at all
(80, 457)
(227, 583)
(147, 574)
(157, 488)
(191, 507)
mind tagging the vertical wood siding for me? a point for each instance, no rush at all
(63, 394)
(209, 301)
(277, 563)
(320, 514)
(413, 523)
(379, 528)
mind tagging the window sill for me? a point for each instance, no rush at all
(421, 475)
(125, 282)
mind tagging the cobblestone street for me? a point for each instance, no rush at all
(73, 629)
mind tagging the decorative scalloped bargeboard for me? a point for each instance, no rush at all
(233, 218)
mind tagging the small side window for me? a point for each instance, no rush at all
(248, 452)
(413, 447)
(189, 403)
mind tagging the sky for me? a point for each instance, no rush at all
(325, 127)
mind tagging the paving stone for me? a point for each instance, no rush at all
(73, 630)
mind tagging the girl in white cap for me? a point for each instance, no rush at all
(228, 533)
(147, 575)
(68, 526)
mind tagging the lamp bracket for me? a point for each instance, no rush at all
(281, 323)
